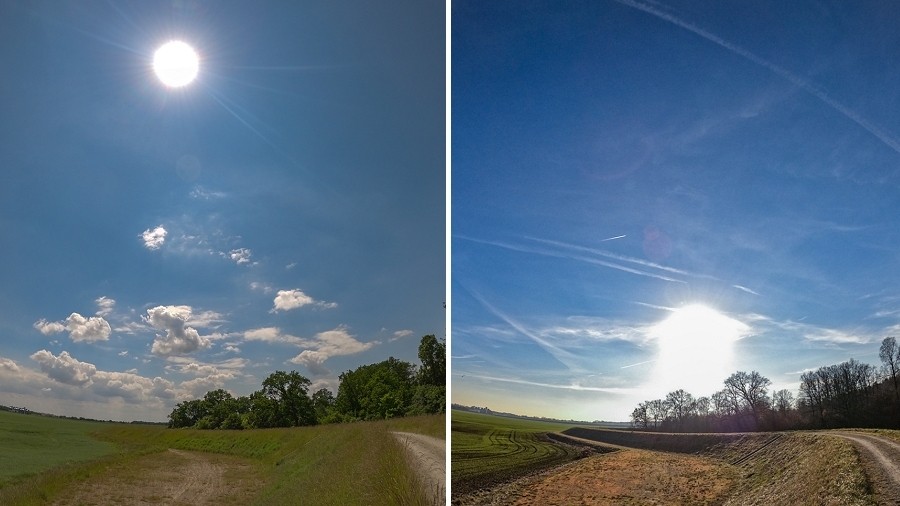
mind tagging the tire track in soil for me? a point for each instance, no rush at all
(172, 477)
(881, 460)
(428, 455)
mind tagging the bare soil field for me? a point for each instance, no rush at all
(173, 477)
(625, 477)
(428, 456)
(725, 469)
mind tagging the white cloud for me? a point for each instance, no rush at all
(256, 286)
(400, 334)
(80, 329)
(8, 364)
(154, 239)
(286, 300)
(129, 386)
(179, 338)
(240, 255)
(48, 328)
(105, 306)
(91, 329)
(65, 368)
(329, 344)
(270, 335)
(312, 360)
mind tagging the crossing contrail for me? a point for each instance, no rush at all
(796, 80)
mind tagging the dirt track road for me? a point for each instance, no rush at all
(881, 460)
(429, 459)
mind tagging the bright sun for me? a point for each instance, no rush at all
(695, 349)
(176, 64)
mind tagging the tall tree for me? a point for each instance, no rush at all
(288, 390)
(432, 354)
(890, 358)
(751, 388)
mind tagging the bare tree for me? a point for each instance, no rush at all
(680, 403)
(782, 400)
(751, 388)
(657, 411)
(890, 357)
(640, 417)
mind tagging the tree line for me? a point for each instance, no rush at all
(849, 394)
(387, 389)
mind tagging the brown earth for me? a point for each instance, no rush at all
(640, 477)
(881, 460)
(171, 477)
(428, 455)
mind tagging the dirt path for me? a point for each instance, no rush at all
(429, 459)
(881, 460)
(172, 477)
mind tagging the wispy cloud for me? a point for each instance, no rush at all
(571, 386)
(559, 254)
(745, 289)
(801, 83)
(565, 357)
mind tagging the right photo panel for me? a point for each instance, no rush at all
(675, 274)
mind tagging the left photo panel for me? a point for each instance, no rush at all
(223, 267)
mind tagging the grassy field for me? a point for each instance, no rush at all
(488, 449)
(358, 463)
(31, 444)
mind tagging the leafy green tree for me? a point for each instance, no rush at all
(187, 414)
(323, 404)
(432, 354)
(288, 392)
(376, 391)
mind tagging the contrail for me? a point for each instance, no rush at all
(637, 364)
(611, 265)
(613, 238)
(796, 80)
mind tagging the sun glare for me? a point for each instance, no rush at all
(176, 64)
(696, 346)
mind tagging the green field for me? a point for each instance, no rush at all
(488, 449)
(43, 459)
(31, 444)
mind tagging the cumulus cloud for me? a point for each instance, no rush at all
(154, 239)
(80, 329)
(65, 368)
(48, 328)
(285, 300)
(8, 364)
(178, 338)
(131, 387)
(325, 345)
(240, 255)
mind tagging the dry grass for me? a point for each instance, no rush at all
(804, 469)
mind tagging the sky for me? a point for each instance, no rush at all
(284, 211)
(652, 195)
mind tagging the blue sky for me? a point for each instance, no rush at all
(617, 162)
(284, 211)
